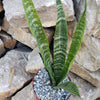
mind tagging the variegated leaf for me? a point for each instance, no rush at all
(76, 43)
(37, 31)
(60, 41)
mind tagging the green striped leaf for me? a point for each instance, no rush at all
(75, 45)
(70, 87)
(37, 31)
(60, 41)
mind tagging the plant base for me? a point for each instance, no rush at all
(43, 89)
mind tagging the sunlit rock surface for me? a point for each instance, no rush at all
(86, 90)
(24, 35)
(25, 94)
(13, 59)
(46, 9)
(89, 54)
(34, 61)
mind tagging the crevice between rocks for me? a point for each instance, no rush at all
(26, 84)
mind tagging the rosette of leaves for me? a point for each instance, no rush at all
(60, 67)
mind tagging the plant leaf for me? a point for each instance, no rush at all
(76, 43)
(37, 31)
(70, 87)
(60, 41)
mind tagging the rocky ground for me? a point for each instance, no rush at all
(19, 54)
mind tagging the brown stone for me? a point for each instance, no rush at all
(1, 7)
(24, 35)
(5, 25)
(92, 77)
(2, 50)
(8, 41)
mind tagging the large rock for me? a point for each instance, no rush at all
(25, 94)
(87, 60)
(87, 91)
(24, 35)
(92, 77)
(89, 54)
(16, 24)
(46, 9)
(12, 72)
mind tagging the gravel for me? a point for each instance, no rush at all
(45, 91)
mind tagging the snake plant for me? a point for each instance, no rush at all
(60, 67)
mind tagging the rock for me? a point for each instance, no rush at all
(93, 14)
(1, 14)
(2, 49)
(92, 77)
(24, 35)
(46, 9)
(85, 62)
(1, 7)
(8, 41)
(9, 98)
(16, 24)
(97, 94)
(34, 61)
(13, 59)
(5, 25)
(89, 54)
(86, 90)
(25, 94)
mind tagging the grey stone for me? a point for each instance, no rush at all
(46, 9)
(13, 59)
(89, 54)
(25, 94)
(34, 61)
(92, 77)
(87, 91)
